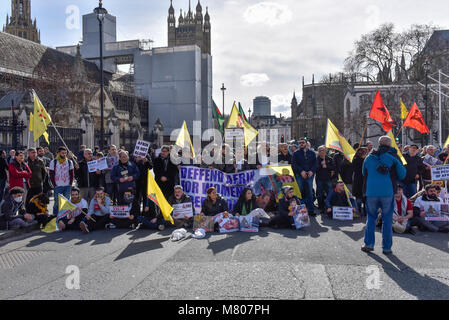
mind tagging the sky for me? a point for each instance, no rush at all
(258, 47)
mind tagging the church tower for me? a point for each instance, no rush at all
(20, 23)
(192, 28)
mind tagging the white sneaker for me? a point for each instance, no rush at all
(161, 227)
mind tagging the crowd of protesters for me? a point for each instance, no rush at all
(28, 179)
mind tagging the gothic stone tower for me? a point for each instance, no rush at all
(20, 23)
(192, 28)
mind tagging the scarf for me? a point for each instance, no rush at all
(403, 206)
(75, 202)
(60, 159)
(244, 208)
(39, 205)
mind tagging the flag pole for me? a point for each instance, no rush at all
(364, 132)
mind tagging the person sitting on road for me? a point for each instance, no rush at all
(12, 212)
(98, 214)
(403, 212)
(245, 204)
(214, 204)
(151, 217)
(73, 219)
(338, 198)
(285, 216)
(179, 197)
(427, 200)
(134, 211)
(37, 207)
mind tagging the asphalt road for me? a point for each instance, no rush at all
(323, 261)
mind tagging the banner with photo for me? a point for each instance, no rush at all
(195, 182)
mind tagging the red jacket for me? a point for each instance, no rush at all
(17, 173)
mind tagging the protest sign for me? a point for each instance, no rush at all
(195, 182)
(141, 149)
(440, 173)
(342, 213)
(203, 222)
(433, 211)
(100, 164)
(237, 134)
(182, 210)
(112, 162)
(301, 217)
(431, 161)
(227, 225)
(92, 166)
(120, 211)
(249, 223)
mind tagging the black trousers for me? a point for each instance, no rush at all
(75, 225)
(100, 222)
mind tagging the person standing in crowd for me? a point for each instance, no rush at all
(324, 172)
(143, 164)
(165, 172)
(13, 213)
(444, 155)
(378, 170)
(11, 156)
(86, 180)
(48, 154)
(41, 155)
(213, 204)
(111, 186)
(125, 174)
(3, 173)
(427, 172)
(98, 214)
(284, 157)
(428, 199)
(245, 204)
(344, 169)
(80, 154)
(304, 165)
(62, 174)
(357, 186)
(19, 173)
(415, 168)
(285, 216)
(292, 148)
(39, 174)
(73, 219)
(369, 146)
(180, 197)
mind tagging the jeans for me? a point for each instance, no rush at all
(2, 188)
(306, 187)
(386, 204)
(148, 224)
(410, 189)
(65, 191)
(323, 188)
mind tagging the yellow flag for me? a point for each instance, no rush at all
(184, 137)
(155, 194)
(394, 145)
(45, 134)
(64, 204)
(41, 119)
(284, 177)
(335, 141)
(30, 126)
(446, 143)
(237, 121)
(348, 193)
(404, 112)
(50, 227)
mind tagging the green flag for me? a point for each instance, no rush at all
(216, 114)
(242, 113)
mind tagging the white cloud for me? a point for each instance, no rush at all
(269, 13)
(254, 79)
(281, 104)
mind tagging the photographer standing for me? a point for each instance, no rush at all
(380, 170)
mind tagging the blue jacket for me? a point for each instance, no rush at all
(299, 162)
(378, 184)
(128, 170)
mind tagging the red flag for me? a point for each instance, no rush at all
(379, 112)
(415, 120)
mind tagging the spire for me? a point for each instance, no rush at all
(199, 8)
(171, 10)
(181, 19)
(207, 17)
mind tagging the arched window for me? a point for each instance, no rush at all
(21, 8)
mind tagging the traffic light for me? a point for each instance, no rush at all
(282, 139)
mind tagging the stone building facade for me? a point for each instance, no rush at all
(20, 23)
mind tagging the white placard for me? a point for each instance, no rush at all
(237, 134)
(120, 211)
(342, 213)
(100, 164)
(182, 210)
(141, 149)
(92, 166)
(440, 173)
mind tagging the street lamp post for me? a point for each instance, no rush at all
(101, 12)
(426, 67)
(249, 115)
(223, 89)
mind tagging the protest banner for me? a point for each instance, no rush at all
(141, 149)
(195, 182)
(203, 222)
(120, 211)
(342, 213)
(182, 210)
(249, 223)
(440, 173)
(301, 217)
(227, 225)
